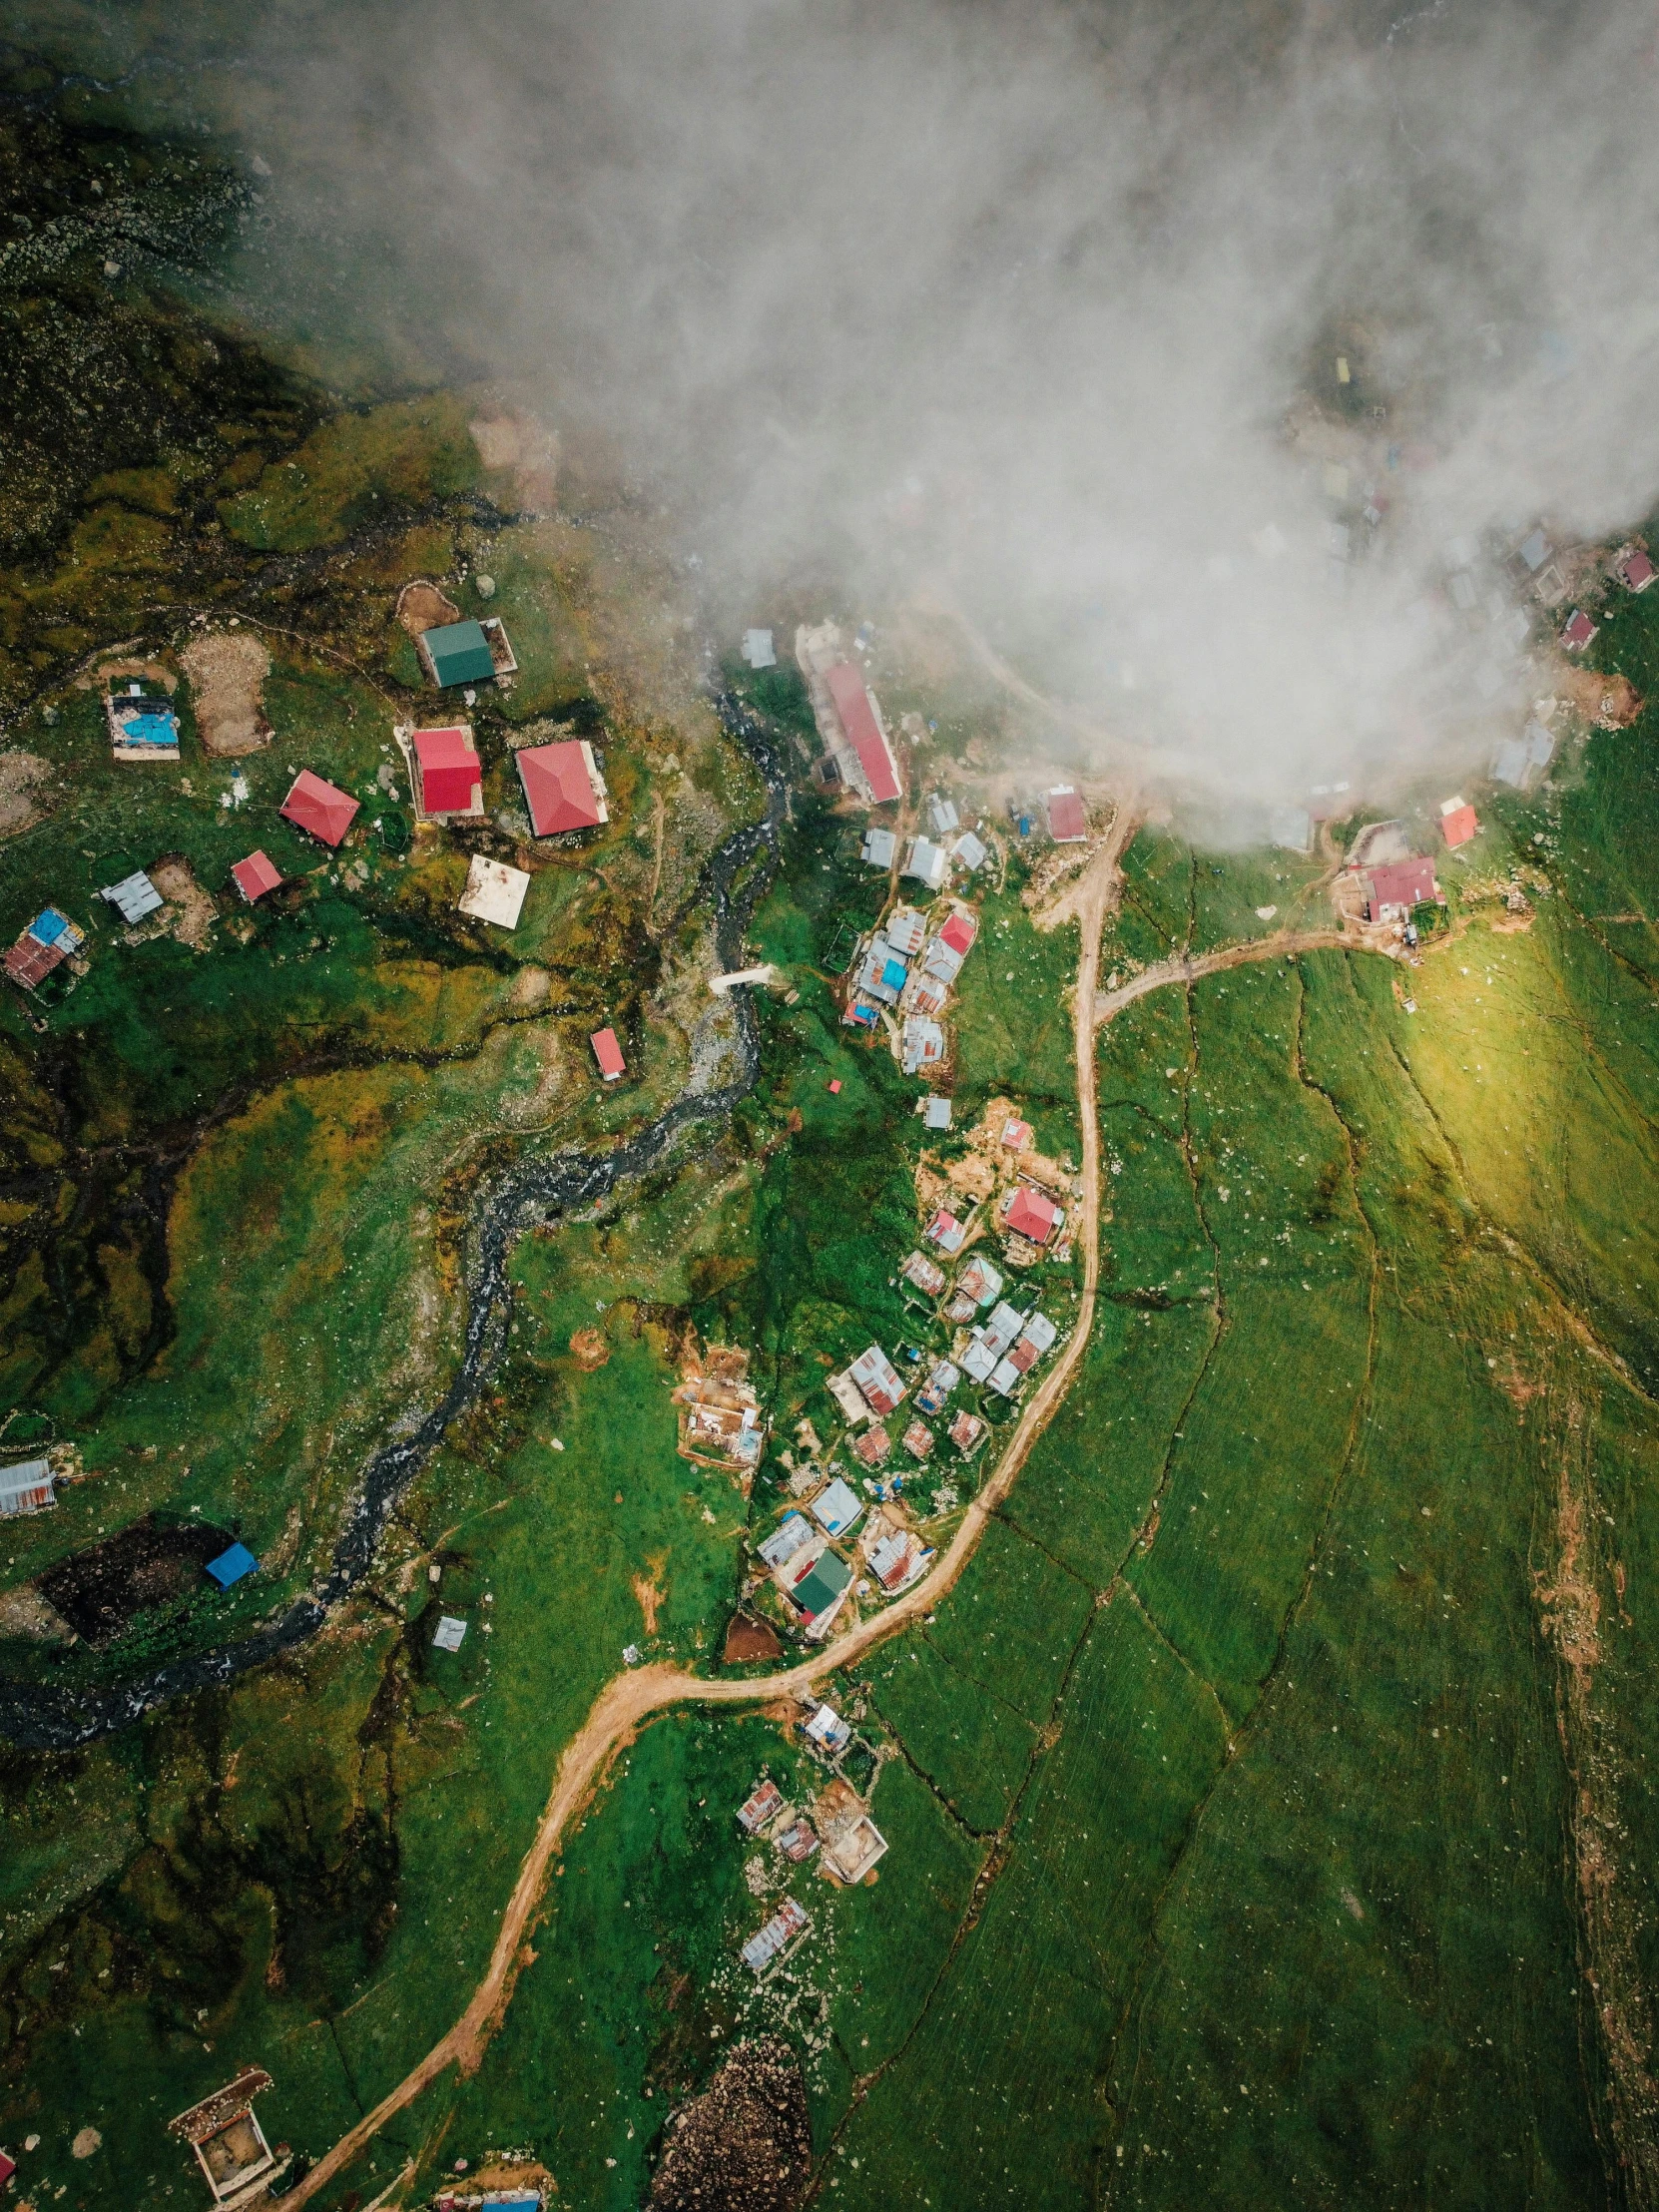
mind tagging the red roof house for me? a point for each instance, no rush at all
(960, 933)
(322, 808)
(449, 776)
(1066, 822)
(255, 877)
(1635, 571)
(1459, 826)
(563, 788)
(608, 1053)
(1403, 883)
(1032, 1213)
(864, 733)
(1578, 632)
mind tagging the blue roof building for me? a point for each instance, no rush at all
(232, 1565)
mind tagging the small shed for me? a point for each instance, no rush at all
(142, 729)
(826, 1730)
(255, 877)
(318, 807)
(1458, 821)
(970, 851)
(608, 1053)
(450, 1634)
(758, 649)
(133, 897)
(50, 939)
(1579, 631)
(231, 1566)
(26, 1488)
(936, 1113)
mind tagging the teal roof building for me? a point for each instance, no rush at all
(459, 653)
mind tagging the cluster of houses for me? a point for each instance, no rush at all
(836, 1830)
(902, 978)
(562, 783)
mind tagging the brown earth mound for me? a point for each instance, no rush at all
(589, 1349)
(745, 2142)
(191, 912)
(227, 671)
(98, 1591)
(1610, 701)
(422, 607)
(749, 1639)
(21, 777)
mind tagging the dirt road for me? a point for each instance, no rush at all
(631, 1699)
(1281, 945)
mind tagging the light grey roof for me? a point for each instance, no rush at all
(878, 847)
(969, 850)
(134, 896)
(938, 1113)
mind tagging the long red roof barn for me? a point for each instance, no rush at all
(1031, 1214)
(863, 731)
(1401, 883)
(563, 788)
(319, 806)
(255, 877)
(608, 1053)
(449, 772)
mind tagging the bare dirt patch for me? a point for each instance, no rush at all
(746, 2141)
(422, 607)
(191, 912)
(589, 1349)
(227, 671)
(1610, 701)
(25, 1614)
(650, 1593)
(128, 670)
(22, 778)
(747, 1639)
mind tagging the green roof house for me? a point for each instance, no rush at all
(459, 653)
(818, 1588)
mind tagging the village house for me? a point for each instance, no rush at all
(141, 728)
(905, 931)
(231, 1566)
(848, 1397)
(1633, 568)
(921, 1271)
(798, 1840)
(26, 1488)
(494, 892)
(1516, 761)
(465, 653)
(445, 773)
(133, 897)
(255, 875)
(1016, 1134)
(969, 852)
(719, 1420)
(927, 861)
(921, 1045)
(49, 941)
(935, 1114)
(236, 2160)
(966, 1431)
(873, 1447)
(1458, 821)
(763, 1805)
(758, 649)
(942, 1378)
(864, 757)
(979, 1281)
(835, 1507)
(787, 1927)
(852, 1841)
(319, 808)
(1031, 1214)
(878, 847)
(1578, 632)
(1066, 821)
(917, 1440)
(791, 1535)
(816, 1582)
(877, 1380)
(1391, 891)
(945, 1231)
(896, 1556)
(826, 1732)
(563, 788)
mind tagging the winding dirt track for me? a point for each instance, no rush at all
(1278, 946)
(630, 1699)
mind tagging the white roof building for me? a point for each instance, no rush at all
(494, 892)
(878, 847)
(836, 1506)
(969, 850)
(786, 1539)
(979, 1359)
(941, 812)
(905, 931)
(936, 1114)
(133, 897)
(756, 649)
(921, 1045)
(828, 1730)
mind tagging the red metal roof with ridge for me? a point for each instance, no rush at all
(255, 877)
(319, 806)
(558, 788)
(1032, 1215)
(607, 1053)
(1066, 821)
(960, 933)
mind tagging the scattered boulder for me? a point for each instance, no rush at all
(746, 2141)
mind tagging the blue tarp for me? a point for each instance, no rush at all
(894, 975)
(49, 928)
(232, 1565)
(154, 727)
